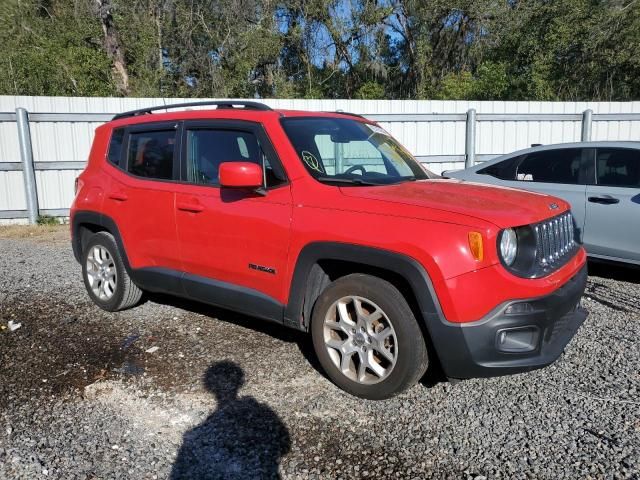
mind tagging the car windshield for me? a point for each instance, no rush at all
(349, 152)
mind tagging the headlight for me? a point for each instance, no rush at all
(508, 246)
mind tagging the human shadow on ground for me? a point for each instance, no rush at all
(241, 439)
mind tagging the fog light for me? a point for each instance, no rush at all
(516, 308)
(517, 340)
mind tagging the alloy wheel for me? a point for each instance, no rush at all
(101, 272)
(360, 339)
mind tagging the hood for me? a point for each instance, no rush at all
(502, 206)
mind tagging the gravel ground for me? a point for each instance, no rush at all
(226, 396)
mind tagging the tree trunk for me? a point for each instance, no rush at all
(112, 45)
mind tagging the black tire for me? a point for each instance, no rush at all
(126, 294)
(411, 351)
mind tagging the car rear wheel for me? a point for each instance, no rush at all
(367, 338)
(105, 276)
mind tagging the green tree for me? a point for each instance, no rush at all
(454, 49)
(370, 91)
(52, 48)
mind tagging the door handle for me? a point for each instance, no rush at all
(119, 196)
(189, 207)
(604, 200)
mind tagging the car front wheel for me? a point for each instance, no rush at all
(366, 337)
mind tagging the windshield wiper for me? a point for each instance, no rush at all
(350, 181)
(404, 179)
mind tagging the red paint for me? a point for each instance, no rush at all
(216, 232)
(240, 174)
(233, 230)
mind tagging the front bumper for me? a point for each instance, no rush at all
(512, 339)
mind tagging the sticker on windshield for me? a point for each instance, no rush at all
(310, 159)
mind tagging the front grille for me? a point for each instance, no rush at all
(555, 241)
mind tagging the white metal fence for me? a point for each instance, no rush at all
(44, 141)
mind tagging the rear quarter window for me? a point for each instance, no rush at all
(114, 154)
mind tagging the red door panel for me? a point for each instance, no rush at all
(235, 236)
(145, 214)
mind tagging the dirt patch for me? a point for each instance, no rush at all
(61, 347)
(39, 233)
(54, 351)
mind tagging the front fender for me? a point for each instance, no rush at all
(407, 267)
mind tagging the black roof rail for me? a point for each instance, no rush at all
(221, 104)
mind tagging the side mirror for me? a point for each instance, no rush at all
(240, 175)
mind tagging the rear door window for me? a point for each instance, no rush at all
(618, 167)
(551, 166)
(151, 154)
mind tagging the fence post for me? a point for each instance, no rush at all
(587, 119)
(28, 172)
(470, 139)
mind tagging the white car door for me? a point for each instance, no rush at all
(612, 227)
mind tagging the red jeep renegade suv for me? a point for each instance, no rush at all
(324, 223)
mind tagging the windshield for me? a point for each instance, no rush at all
(345, 151)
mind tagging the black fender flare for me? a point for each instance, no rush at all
(88, 217)
(408, 268)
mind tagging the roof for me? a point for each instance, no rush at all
(595, 144)
(228, 109)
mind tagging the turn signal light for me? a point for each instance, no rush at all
(476, 246)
